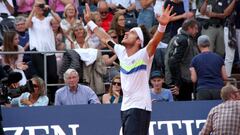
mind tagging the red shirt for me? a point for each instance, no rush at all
(107, 22)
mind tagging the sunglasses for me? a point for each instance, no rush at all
(103, 12)
(35, 86)
(116, 83)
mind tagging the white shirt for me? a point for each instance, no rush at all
(3, 7)
(124, 3)
(41, 35)
(158, 10)
(134, 72)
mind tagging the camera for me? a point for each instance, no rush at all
(46, 11)
(42, 6)
(6, 91)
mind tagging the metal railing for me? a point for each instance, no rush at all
(44, 60)
(45, 54)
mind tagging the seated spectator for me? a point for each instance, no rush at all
(106, 16)
(6, 7)
(114, 94)
(118, 24)
(24, 6)
(223, 119)
(158, 93)
(74, 93)
(207, 71)
(15, 61)
(36, 98)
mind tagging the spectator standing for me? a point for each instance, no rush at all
(216, 12)
(70, 19)
(158, 93)
(58, 5)
(79, 34)
(35, 98)
(74, 93)
(121, 6)
(114, 94)
(41, 38)
(237, 22)
(135, 69)
(25, 6)
(181, 49)
(224, 118)
(207, 71)
(177, 21)
(145, 13)
(6, 6)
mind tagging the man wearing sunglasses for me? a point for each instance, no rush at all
(105, 14)
(135, 56)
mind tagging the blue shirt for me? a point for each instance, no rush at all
(208, 67)
(42, 100)
(164, 95)
(83, 95)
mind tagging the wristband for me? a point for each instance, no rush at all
(91, 25)
(161, 28)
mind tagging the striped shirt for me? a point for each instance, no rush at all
(134, 71)
(223, 119)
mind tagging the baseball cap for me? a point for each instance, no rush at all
(156, 74)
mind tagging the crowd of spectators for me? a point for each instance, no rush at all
(46, 26)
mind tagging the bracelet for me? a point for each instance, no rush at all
(91, 25)
(161, 28)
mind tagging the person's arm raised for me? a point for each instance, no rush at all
(105, 38)
(163, 20)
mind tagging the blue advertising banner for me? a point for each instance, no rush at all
(172, 118)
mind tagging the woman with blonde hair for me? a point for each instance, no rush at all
(36, 97)
(79, 34)
(114, 94)
(70, 19)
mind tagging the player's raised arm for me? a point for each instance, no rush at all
(104, 37)
(163, 20)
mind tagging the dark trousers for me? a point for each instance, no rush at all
(208, 94)
(185, 92)
(38, 64)
(1, 129)
(135, 121)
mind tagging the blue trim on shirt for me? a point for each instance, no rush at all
(141, 67)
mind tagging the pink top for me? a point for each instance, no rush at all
(59, 6)
(25, 5)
